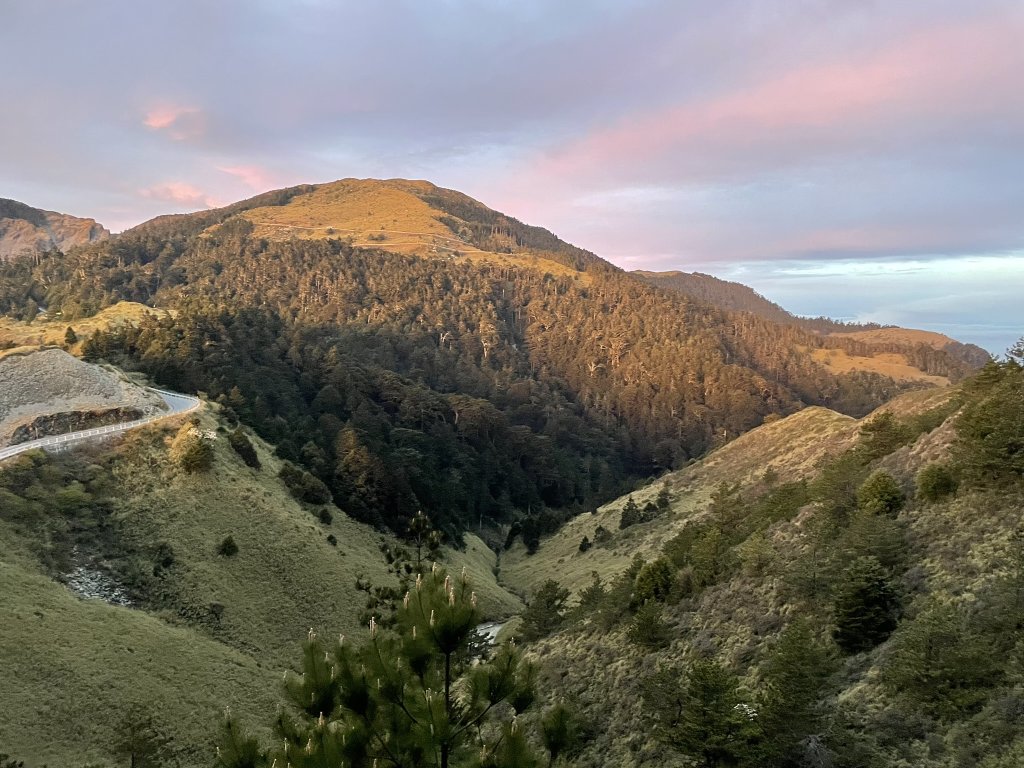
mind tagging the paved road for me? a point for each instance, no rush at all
(176, 404)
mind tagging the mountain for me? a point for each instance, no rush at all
(728, 295)
(415, 349)
(831, 579)
(887, 350)
(121, 601)
(827, 567)
(26, 229)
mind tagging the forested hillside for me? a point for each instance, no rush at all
(490, 372)
(821, 592)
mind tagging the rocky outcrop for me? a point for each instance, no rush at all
(71, 421)
(24, 229)
(51, 392)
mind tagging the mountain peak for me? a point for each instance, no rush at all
(24, 229)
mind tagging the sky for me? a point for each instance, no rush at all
(862, 159)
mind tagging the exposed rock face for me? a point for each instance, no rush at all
(51, 392)
(71, 421)
(24, 229)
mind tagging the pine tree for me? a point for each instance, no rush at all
(407, 698)
(705, 717)
(880, 494)
(631, 514)
(866, 606)
(794, 676)
(546, 612)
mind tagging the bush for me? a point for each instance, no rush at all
(303, 486)
(325, 516)
(585, 544)
(935, 482)
(244, 448)
(191, 451)
(228, 548)
(880, 494)
(332, 539)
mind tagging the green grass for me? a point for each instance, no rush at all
(82, 664)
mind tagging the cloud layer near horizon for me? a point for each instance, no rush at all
(659, 133)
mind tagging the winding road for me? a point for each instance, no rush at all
(177, 404)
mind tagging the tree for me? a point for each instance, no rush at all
(794, 677)
(142, 743)
(561, 732)
(935, 481)
(664, 499)
(423, 537)
(631, 514)
(546, 611)
(654, 582)
(408, 698)
(705, 717)
(942, 663)
(880, 494)
(866, 606)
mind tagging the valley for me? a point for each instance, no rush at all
(643, 482)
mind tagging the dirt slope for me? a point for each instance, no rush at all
(51, 381)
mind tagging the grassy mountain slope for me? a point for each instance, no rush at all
(761, 554)
(792, 447)
(208, 631)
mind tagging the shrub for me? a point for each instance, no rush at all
(244, 448)
(191, 451)
(332, 539)
(935, 481)
(325, 516)
(304, 486)
(880, 494)
(585, 544)
(228, 547)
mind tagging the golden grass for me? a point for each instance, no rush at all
(899, 336)
(792, 446)
(388, 215)
(890, 364)
(50, 332)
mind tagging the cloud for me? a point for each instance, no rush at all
(255, 177)
(180, 193)
(916, 89)
(179, 123)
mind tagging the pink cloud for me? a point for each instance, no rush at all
(181, 193)
(180, 123)
(253, 176)
(941, 75)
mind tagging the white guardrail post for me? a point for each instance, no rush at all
(188, 403)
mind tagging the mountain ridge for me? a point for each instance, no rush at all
(24, 229)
